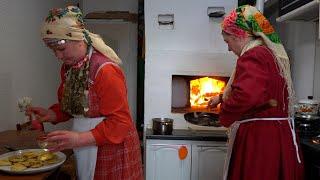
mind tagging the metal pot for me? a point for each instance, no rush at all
(162, 126)
(307, 125)
(307, 107)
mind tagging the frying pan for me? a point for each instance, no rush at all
(211, 118)
(202, 118)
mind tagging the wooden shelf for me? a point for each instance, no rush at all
(114, 16)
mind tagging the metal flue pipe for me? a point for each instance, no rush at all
(260, 5)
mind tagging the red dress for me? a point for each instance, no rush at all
(119, 153)
(263, 150)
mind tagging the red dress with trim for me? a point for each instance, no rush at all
(119, 153)
(263, 150)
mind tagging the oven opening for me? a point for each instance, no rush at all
(192, 93)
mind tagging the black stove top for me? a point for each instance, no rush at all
(307, 126)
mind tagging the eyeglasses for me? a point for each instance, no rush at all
(62, 41)
(55, 42)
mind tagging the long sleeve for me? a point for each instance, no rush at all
(249, 88)
(111, 89)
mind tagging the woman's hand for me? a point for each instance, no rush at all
(70, 140)
(214, 101)
(41, 114)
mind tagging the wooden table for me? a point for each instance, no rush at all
(27, 140)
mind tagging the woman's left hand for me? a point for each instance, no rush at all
(70, 140)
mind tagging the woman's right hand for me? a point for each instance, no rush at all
(41, 114)
(213, 102)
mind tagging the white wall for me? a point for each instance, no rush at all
(299, 40)
(192, 29)
(161, 65)
(316, 92)
(123, 38)
(302, 44)
(27, 67)
(193, 47)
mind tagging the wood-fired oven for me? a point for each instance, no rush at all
(183, 43)
(192, 93)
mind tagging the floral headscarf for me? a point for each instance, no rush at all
(247, 21)
(67, 23)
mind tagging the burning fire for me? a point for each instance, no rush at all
(202, 89)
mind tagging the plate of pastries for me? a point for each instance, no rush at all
(30, 161)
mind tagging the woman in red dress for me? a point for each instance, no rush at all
(93, 94)
(262, 141)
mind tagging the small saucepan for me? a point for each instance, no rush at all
(162, 126)
(307, 107)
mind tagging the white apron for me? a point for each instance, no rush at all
(86, 157)
(233, 132)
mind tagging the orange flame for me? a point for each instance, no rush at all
(203, 89)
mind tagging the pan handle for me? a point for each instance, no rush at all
(264, 106)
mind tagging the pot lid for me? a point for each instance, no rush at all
(307, 116)
(308, 101)
(167, 120)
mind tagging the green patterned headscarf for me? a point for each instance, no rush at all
(246, 21)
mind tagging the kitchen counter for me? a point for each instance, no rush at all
(188, 134)
(311, 151)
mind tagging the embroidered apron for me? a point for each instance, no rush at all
(86, 157)
(233, 132)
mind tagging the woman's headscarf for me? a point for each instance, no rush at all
(67, 23)
(247, 21)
